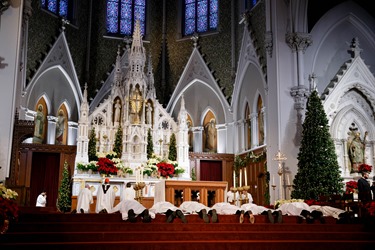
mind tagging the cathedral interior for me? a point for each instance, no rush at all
(228, 78)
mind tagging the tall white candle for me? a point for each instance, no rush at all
(273, 179)
(234, 178)
(240, 178)
(245, 176)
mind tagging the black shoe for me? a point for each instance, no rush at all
(279, 217)
(131, 216)
(181, 216)
(205, 216)
(318, 215)
(214, 218)
(171, 216)
(146, 218)
(304, 213)
(307, 215)
(82, 211)
(103, 211)
(270, 216)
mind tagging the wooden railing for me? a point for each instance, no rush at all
(218, 188)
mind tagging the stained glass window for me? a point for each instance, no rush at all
(58, 7)
(122, 14)
(200, 16)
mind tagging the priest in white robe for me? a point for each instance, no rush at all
(105, 198)
(84, 200)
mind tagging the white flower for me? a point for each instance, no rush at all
(7, 193)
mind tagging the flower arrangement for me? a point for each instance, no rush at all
(165, 169)
(370, 206)
(121, 172)
(89, 166)
(351, 187)
(158, 167)
(106, 166)
(8, 205)
(364, 168)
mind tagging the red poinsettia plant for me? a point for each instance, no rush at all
(364, 168)
(370, 206)
(8, 205)
(165, 169)
(106, 166)
(351, 187)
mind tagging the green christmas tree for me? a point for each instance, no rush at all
(150, 144)
(117, 148)
(172, 155)
(64, 201)
(318, 170)
(92, 146)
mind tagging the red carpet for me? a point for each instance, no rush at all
(51, 230)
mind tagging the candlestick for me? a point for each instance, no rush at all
(234, 178)
(245, 176)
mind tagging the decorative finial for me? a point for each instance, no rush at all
(64, 23)
(355, 48)
(195, 38)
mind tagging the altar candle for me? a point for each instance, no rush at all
(273, 180)
(234, 178)
(288, 180)
(240, 178)
(245, 176)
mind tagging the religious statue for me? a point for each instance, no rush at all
(136, 106)
(39, 125)
(149, 114)
(357, 151)
(117, 111)
(210, 131)
(60, 127)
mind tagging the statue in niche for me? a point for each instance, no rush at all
(149, 113)
(210, 132)
(60, 128)
(39, 125)
(356, 148)
(136, 106)
(117, 115)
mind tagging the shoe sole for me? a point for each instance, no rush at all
(252, 219)
(214, 217)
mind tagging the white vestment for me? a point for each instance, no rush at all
(124, 206)
(41, 201)
(105, 199)
(127, 194)
(225, 208)
(255, 209)
(162, 207)
(328, 210)
(294, 208)
(192, 207)
(84, 200)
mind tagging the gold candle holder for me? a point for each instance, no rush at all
(246, 190)
(234, 191)
(138, 187)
